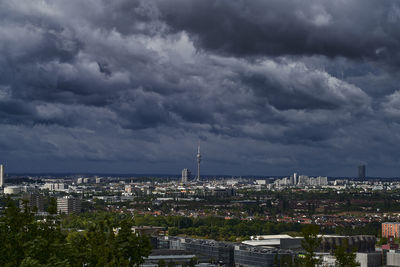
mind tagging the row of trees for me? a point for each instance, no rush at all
(345, 257)
(216, 227)
(28, 242)
(220, 229)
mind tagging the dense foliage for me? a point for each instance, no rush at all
(28, 242)
(344, 257)
(216, 227)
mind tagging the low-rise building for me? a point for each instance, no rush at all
(251, 256)
(393, 258)
(369, 259)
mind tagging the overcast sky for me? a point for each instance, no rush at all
(268, 87)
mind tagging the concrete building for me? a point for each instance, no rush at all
(214, 251)
(55, 186)
(361, 243)
(322, 180)
(261, 182)
(35, 201)
(185, 175)
(99, 180)
(250, 256)
(393, 258)
(361, 172)
(1, 175)
(204, 249)
(174, 257)
(371, 259)
(68, 205)
(304, 180)
(276, 241)
(390, 229)
(12, 190)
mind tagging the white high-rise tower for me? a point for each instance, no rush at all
(1, 175)
(185, 175)
(198, 162)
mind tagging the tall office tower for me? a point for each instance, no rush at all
(294, 178)
(1, 175)
(198, 162)
(361, 172)
(185, 175)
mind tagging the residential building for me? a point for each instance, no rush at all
(390, 229)
(68, 205)
(35, 201)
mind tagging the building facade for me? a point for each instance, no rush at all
(250, 256)
(68, 205)
(371, 259)
(34, 201)
(185, 175)
(361, 172)
(390, 229)
(1, 175)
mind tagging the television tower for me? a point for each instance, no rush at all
(198, 162)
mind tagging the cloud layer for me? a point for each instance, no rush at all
(269, 87)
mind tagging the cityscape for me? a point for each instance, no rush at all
(199, 133)
(196, 220)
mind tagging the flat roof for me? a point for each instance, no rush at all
(171, 257)
(264, 237)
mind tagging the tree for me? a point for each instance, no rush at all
(52, 209)
(27, 242)
(344, 258)
(193, 262)
(161, 263)
(310, 244)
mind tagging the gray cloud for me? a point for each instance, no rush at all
(130, 86)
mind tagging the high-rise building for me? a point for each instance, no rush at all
(68, 205)
(185, 175)
(35, 201)
(390, 229)
(294, 178)
(361, 172)
(198, 162)
(1, 175)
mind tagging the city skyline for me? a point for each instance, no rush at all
(268, 87)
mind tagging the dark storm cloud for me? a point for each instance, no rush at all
(354, 29)
(131, 86)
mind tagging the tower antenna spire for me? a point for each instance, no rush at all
(198, 162)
